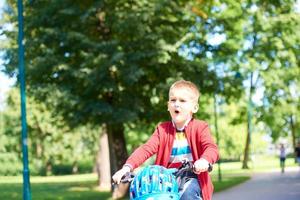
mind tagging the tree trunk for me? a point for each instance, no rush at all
(75, 167)
(247, 150)
(293, 131)
(103, 162)
(118, 155)
(49, 167)
(39, 149)
(249, 117)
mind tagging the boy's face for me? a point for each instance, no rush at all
(181, 105)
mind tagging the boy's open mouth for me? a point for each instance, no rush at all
(177, 111)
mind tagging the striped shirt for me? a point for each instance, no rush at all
(180, 151)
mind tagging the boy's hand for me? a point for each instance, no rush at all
(119, 174)
(201, 165)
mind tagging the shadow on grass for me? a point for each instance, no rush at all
(229, 182)
(57, 191)
(83, 190)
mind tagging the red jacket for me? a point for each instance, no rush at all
(161, 143)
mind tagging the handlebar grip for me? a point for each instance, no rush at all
(127, 178)
(210, 167)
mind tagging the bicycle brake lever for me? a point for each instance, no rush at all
(128, 177)
(210, 167)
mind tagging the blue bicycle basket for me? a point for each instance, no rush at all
(154, 183)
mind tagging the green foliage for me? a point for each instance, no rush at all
(51, 141)
(95, 59)
(10, 164)
(137, 134)
(276, 34)
(95, 62)
(81, 168)
(232, 130)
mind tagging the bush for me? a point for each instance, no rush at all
(62, 169)
(85, 167)
(67, 168)
(11, 165)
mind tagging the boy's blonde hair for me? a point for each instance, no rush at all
(186, 84)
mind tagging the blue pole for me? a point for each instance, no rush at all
(26, 181)
(217, 134)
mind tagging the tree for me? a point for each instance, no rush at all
(105, 63)
(255, 41)
(271, 53)
(281, 103)
(52, 142)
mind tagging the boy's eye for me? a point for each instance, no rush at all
(182, 100)
(172, 100)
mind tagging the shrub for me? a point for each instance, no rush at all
(11, 165)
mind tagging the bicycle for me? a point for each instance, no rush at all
(155, 182)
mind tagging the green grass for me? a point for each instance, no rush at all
(82, 187)
(228, 182)
(77, 187)
(231, 175)
(47, 191)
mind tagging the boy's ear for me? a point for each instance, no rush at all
(196, 107)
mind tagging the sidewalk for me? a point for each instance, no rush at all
(266, 186)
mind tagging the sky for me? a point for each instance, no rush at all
(5, 82)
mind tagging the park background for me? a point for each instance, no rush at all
(97, 78)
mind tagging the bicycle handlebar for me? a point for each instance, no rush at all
(189, 167)
(128, 177)
(185, 167)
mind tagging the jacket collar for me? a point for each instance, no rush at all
(184, 126)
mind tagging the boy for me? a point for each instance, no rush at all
(182, 138)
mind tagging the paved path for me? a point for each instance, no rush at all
(266, 186)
